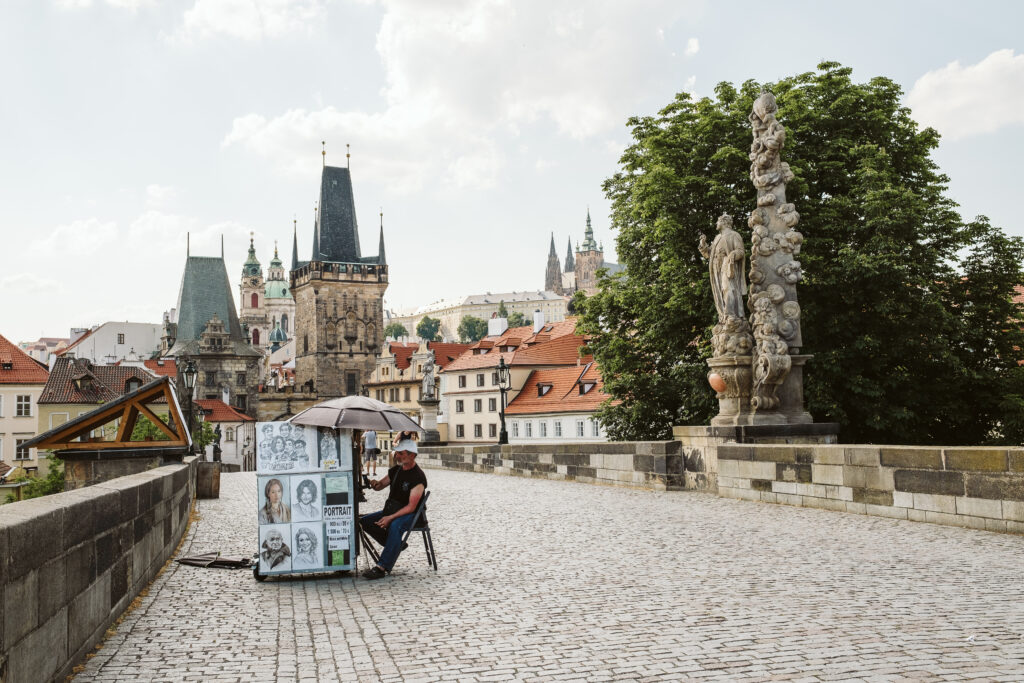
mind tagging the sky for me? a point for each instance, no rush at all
(479, 129)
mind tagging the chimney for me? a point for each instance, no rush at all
(495, 326)
(538, 321)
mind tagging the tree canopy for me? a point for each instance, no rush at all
(516, 319)
(396, 331)
(427, 327)
(502, 310)
(907, 308)
(472, 329)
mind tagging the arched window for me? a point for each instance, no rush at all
(255, 300)
(284, 322)
(255, 336)
(229, 434)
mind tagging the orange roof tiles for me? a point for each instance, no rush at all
(216, 410)
(402, 353)
(22, 370)
(104, 382)
(445, 353)
(561, 351)
(472, 361)
(161, 367)
(563, 396)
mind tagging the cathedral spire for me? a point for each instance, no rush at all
(551, 251)
(570, 262)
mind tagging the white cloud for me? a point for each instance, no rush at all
(160, 195)
(248, 19)
(692, 47)
(464, 79)
(79, 238)
(961, 101)
(28, 284)
(130, 5)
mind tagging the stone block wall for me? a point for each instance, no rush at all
(72, 562)
(981, 488)
(657, 465)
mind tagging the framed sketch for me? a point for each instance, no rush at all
(275, 500)
(282, 447)
(307, 498)
(276, 548)
(307, 546)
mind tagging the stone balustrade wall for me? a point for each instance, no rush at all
(72, 562)
(981, 488)
(657, 465)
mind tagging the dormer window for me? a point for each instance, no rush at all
(543, 388)
(131, 385)
(7, 365)
(585, 387)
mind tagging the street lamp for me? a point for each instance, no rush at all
(189, 374)
(245, 454)
(504, 383)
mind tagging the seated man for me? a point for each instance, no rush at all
(407, 483)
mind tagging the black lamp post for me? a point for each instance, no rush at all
(504, 383)
(245, 454)
(189, 374)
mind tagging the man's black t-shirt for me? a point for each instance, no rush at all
(402, 482)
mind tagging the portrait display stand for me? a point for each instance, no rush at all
(306, 500)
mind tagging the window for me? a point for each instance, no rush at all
(477, 405)
(132, 384)
(543, 388)
(255, 338)
(492, 430)
(460, 407)
(529, 429)
(284, 319)
(211, 379)
(579, 427)
(351, 382)
(460, 431)
(558, 427)
(478, 431)
(407, 393)
(23, 406)
(255, 300)
(494, 379)
(480, 379)
(120, 338)
(492, 404)
(462, 381)
(19, 452)
(240, 379)
(515, 428)
(585, 387)
(595, 428)
(543, 428)
(305, 343)
(229, 434)
(240, 403)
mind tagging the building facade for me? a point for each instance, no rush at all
(22, 380)
(557, 405)
(485, 306)
(114, 341)
(207, 331)
(266, 306)
(237, 434)
(339, 297)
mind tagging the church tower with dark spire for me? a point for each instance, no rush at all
(553, 275)
(589, 258)
(339, 297)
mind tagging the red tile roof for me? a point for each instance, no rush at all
(162, 367)
(23, 370)
(445, 353)
(561, 351)
(402, 353)
(563, 396)
(102, 382)
(555, 344)
(216, 410)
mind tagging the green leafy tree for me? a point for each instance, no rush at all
(516, 319)
(427, 328)
(202, 434)
(35, 487)
(396, 331)
(472, 329)
(907, 309)
(502, 311)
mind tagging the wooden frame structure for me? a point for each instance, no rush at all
(74, 435)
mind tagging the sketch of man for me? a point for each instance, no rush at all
(275, 550)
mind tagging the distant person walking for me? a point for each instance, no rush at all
(370, 451)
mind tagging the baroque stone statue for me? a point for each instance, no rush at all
(727, 260)
(428, 377)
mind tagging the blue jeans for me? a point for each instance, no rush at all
(390, 538)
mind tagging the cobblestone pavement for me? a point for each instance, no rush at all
(543, 580)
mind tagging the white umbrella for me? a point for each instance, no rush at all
(356, 412)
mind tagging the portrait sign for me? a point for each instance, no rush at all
(305, 498)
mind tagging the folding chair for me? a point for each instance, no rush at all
(428, 542)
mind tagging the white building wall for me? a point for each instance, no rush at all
(544, 428)
(113, 341)
(14, 427)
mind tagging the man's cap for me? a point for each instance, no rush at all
(406, 445)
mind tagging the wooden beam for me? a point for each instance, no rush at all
(106, 445)
(174, 413)
(157, 421)
(128, 418)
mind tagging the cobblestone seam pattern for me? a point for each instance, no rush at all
(549, 581)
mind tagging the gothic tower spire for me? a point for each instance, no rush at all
(553, 274)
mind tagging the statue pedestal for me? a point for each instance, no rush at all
(428, 421)
(734, 407)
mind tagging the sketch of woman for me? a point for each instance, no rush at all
(305, 549)
(307, 507)
(274, 511)
(275, 550)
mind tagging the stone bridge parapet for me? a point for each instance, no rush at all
(72, 562)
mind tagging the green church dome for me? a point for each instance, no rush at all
(278, 335)
(277, 289)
